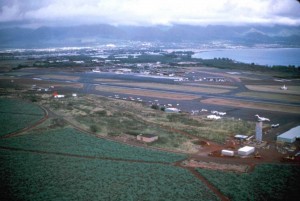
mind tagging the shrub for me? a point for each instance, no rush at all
(155, 107)
(93, 128)
(101, 113)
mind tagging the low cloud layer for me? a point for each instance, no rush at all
(32, 13)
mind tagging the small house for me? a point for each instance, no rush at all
(56, 95)
(147, 137)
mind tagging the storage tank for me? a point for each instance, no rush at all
(258, 133)
(225, 152)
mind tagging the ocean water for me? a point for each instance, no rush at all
(262, 56)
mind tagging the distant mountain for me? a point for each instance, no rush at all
(93, 34)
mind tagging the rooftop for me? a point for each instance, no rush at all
(246, 148)
(292, 133)
(241, 136)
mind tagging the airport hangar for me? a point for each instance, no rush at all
(289, 136)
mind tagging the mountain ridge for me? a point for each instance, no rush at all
(88, 34)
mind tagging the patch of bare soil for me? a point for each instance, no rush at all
(215, 166)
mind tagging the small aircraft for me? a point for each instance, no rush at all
(283, 87)
(262, 118)
(275, 125)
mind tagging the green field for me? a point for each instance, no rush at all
(216, 131)
(267, 182)
(17, 114)
(71, 141)
(33, 177)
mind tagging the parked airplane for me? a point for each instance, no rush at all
(262, 118)
(275, 125)
(283, 87)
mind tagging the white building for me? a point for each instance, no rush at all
(213, 117)
(172, 110)
(246, 150)
(59, 96)
(290, 135)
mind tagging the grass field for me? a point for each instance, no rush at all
(252, 105)
(70, 141)
(102, 114)
(213, 89)
(42, 177)
(270, 96)
(212, 130)
(147, 93)
(267, 182)
(17, 114)
(60, 77)
(18, 73)
(275, 89)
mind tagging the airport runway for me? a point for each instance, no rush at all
(87, 79)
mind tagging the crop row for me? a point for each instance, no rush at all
(11, 122)
(34, 177)
(19, 107)
(71, 141)
(267, 182)
(17, 114)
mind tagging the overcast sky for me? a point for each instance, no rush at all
(35, 13)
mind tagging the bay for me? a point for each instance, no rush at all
(261, 56)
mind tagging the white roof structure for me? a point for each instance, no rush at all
(246, 150)
(227, 152)
(172, 110)
(213, 117)
(290, 135)
(59, 96)
(244, 137)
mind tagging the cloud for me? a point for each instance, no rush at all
(150, 12)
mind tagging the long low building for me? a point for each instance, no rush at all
(290, 135)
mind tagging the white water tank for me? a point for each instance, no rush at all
(225, 152)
